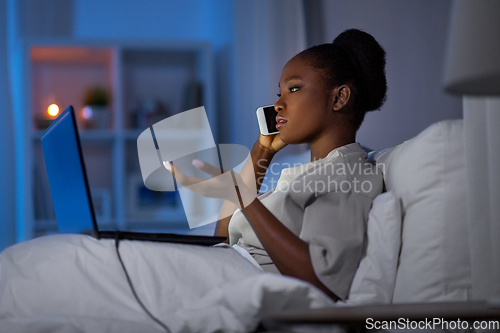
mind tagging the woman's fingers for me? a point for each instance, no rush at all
(224, 186)
(181, 177)
(271, 142)
(205, 167)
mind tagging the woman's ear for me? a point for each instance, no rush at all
(340, 97)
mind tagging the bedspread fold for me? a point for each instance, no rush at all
(74, 283)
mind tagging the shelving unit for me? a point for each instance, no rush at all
(167, 76)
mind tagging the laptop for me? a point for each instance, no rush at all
(71, 193)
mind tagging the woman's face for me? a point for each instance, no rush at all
(304, 107)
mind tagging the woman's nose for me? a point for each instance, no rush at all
(278, 105)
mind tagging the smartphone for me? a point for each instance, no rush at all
(266, 115)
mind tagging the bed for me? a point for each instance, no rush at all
(417, 251)
(74, 283)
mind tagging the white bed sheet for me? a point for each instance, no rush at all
(74, 283)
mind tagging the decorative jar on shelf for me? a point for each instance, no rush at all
(96, 113)
(96, 116)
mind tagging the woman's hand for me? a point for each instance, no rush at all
(272, 143)
(227, 185)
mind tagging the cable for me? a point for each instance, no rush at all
(117, 243)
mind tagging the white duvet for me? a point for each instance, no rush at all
(74, 283)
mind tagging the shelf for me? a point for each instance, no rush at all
(173, 77)
(85, 135)
(62, 75)
(71, 55)
(174, 134)
(126, 134)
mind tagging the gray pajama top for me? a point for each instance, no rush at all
(326, 203)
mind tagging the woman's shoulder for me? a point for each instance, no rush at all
(347, 173)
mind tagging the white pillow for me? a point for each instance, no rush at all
(428, 173)
(376, 274)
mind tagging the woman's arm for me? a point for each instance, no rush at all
(288, 252)
(253, 174)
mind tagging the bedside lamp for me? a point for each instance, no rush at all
(472, 69)
(473, 61)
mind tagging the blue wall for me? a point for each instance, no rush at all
(207, 20)
(7, 172)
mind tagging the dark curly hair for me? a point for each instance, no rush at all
(356, 59)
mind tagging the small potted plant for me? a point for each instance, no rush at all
(96, 113)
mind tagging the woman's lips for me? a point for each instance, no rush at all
(280, 122)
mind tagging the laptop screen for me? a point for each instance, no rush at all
(67, 175)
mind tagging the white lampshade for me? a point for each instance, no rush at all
(472, 63)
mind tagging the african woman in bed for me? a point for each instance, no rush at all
(312, 226)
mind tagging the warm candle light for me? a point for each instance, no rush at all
(53, 110)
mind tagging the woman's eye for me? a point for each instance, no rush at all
(291, 90)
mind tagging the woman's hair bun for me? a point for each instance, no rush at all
(354, 58)
(368, 58)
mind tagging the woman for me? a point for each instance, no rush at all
(312, 225)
